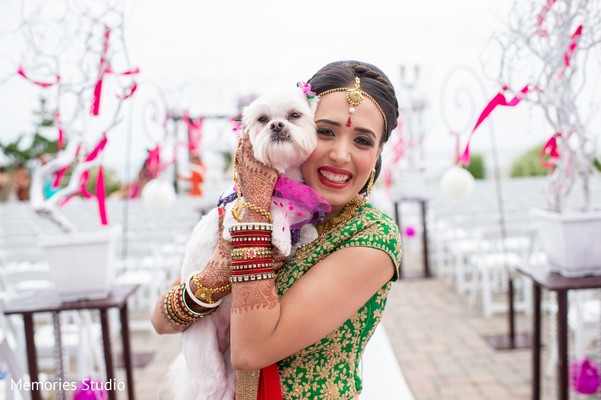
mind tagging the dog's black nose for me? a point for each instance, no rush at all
(277, 126)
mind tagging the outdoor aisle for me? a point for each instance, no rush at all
(437, 340)
(382, 376)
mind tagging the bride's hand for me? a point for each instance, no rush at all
(256, 180)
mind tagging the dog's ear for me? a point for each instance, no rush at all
(313, 104)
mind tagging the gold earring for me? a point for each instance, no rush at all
(370, 183)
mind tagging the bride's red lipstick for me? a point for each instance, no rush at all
(329, 183)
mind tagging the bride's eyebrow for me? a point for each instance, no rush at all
(358, 129)
(365, 130)
(328, 121)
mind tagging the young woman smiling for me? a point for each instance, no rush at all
(305, 326)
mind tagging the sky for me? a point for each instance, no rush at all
(202, 56)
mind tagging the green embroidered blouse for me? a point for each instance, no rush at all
(329, 369)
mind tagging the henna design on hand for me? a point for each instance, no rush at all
(250, 296)
(217, 272)
(256, 180)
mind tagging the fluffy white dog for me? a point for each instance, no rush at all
(282, 131)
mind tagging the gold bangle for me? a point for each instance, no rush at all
(250, 253)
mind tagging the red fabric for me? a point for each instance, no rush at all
(550, 150)
(498, 100)
(103, 69)
(269, 384)
(101, 196)
(21, 72)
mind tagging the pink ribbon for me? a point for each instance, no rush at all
(109, 70)
(132, 88)
(541, 17)
(21, 72)
(61, 132)
(398, 150)
(573, 45)
(102, 70)
(153, 162)
(550, 149)
(100, 191)
(194, 131)
(101, 196)
(130, 91)
(498, 100)
(61, 172)
(86, 175)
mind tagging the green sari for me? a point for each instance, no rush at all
(329, 368)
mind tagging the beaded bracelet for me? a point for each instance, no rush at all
(251, 241)
(251, 278)
(250, 267)
(241, 204)
(252, 255)
(251, 226)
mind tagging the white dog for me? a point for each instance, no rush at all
(283, 134)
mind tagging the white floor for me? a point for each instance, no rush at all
(382, 376)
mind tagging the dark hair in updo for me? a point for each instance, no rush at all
(373, 81)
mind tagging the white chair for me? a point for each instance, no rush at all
(145, 267)
(498, 255)
(584, 322)
(11, 359)
(25, 279)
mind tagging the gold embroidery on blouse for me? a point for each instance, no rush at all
(329, 368)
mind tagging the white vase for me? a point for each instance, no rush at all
(570, 241)
(82, 263)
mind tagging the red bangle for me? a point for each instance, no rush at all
(252, 262)
(250, 232)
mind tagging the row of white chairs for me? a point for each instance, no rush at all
(468, 251)
(149, 253)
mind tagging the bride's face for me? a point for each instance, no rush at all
(345, 155)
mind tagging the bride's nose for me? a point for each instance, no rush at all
(340, 154)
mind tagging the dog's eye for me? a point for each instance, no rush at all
(262, 119)
(295, 115)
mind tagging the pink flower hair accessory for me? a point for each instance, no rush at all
(306, 88)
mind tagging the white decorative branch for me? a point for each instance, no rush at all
(67, 40)
(543, 48)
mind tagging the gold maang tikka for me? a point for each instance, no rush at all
(354, 97)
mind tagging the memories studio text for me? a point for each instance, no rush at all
(84, 384)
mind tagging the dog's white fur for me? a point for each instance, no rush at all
(282, 131)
